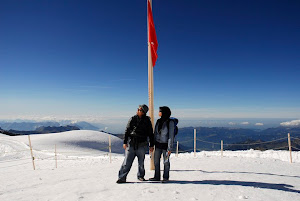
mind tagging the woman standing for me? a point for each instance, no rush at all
(164, 138)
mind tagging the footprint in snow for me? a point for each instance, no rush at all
(243, 197)
(148, 191)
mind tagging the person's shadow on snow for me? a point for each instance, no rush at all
(281, 187)
(260, 173)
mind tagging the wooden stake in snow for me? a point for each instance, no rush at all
(109, 146)
(177, 150)
(31, 152)
(195, 142)
(221, 148)
(290, 146)
(55, 157)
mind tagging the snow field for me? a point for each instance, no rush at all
(87, 174)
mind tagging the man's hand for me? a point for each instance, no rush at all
(151, 149)
(124, 146)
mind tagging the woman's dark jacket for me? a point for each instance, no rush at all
(138, 130)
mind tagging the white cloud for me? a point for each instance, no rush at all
(232, 123)
(259, 124)
(236, 112)
(245, 123)
(291, 123)
(70, 118)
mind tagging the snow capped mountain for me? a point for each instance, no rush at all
(25, 126)
(85, 125)
(31, 126)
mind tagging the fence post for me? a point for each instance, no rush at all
(194, 142)
(109, 146)
(55, 157)
(31, 152)
(290, 146)
(221, 148)
(177, 150)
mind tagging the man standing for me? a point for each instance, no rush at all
(138, 130)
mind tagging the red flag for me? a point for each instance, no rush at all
(152, 35)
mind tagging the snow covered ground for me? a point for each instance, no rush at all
(84, 172)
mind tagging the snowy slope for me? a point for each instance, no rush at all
(85, 173)
(72, 143)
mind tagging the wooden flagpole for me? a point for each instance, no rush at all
(150, 88)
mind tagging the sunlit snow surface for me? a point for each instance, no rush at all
(84, 172)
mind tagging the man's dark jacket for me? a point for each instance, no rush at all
(138, 130)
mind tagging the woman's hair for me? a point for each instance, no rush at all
(166, 112)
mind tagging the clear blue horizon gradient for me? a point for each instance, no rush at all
(216, 59)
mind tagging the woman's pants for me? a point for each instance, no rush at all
(157, 155)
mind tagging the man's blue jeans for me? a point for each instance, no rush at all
(166, 161)
(130, 155)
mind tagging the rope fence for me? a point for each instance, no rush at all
(15, 165)
(296, 148)
(15, 151)
(256, 143)
(35, 154)
(13, 160)
(63, 155)
(280, 148)
(288, 146)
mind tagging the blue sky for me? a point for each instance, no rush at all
(88, 59)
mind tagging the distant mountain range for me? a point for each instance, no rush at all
(32, 126)
(84, 126)
(236, 138)
(208, 138)
(25, 126)
(40, 130)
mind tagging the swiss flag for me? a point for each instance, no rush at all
(152, 35)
